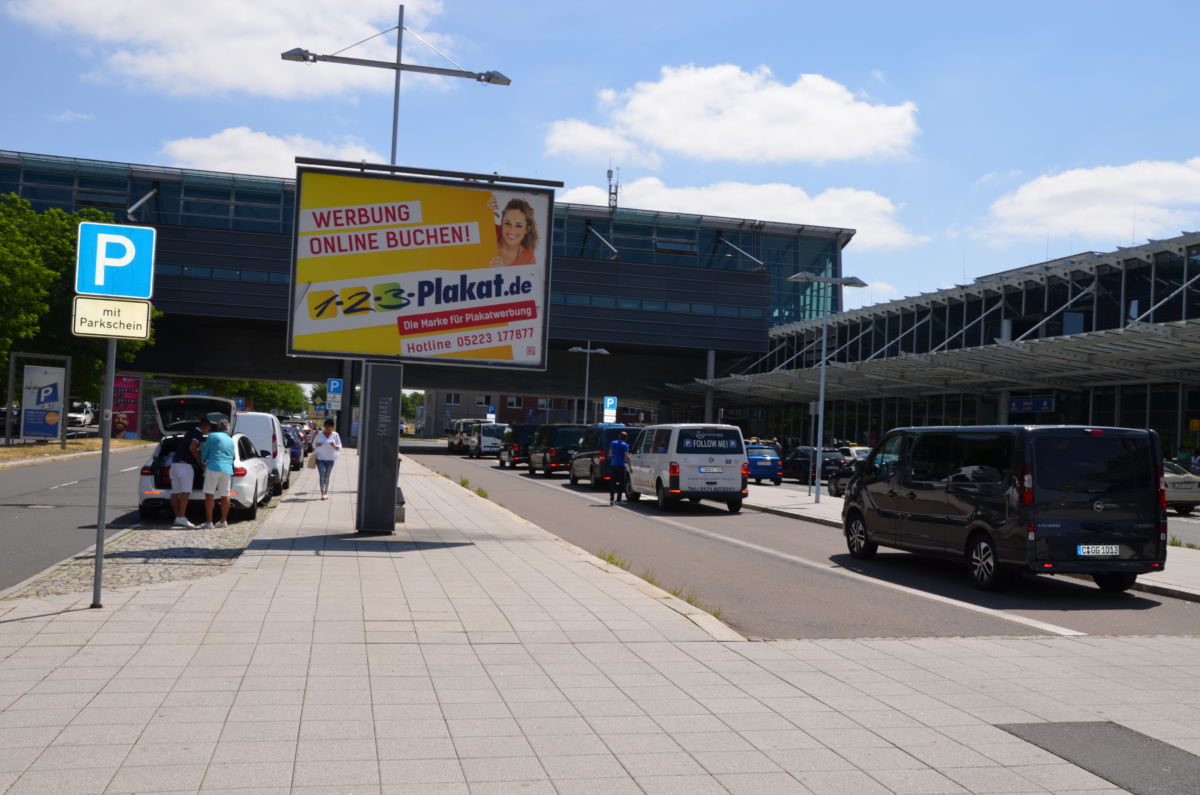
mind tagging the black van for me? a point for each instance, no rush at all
(590, 461)
(551, 447)
(1043, 499)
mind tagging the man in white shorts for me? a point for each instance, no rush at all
(182, 476)
(217, 455)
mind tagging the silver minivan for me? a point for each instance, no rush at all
(692, 461)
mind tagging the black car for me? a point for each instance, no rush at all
(590, 461)
(551, 447)
(1004, 499)
(798, 463)
(514, 445)
(840, 479)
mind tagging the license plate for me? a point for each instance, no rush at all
(1097, 550)
(711, 470)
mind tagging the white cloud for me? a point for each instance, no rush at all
(726, 113)
(872, 214)
(244, 151)
(70, 115)
(233, 46)
(574, 138)
(1102, 204)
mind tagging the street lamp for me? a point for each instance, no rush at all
(302, 55)
(841, 281)
(587, 369)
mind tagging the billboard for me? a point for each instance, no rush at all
(127, 399)
(42, 402)
(415, 270)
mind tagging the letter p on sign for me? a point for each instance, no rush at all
(115, 260)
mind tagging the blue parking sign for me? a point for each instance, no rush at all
(610, 403)
(333, 386)
(115, 260)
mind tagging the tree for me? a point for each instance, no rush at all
(37, 254)
(270, 396)
(24, 279)
(409, 402)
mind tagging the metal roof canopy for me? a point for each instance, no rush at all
(1138, 353)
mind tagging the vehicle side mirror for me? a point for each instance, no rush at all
(860, 466)
(264, 453)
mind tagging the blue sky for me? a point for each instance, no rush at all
(958, 138)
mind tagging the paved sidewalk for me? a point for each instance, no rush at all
(475, 652)
(1180, 578)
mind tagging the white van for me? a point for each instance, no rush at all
(458, 433)
(485, 439)
(266, 432)
(695, 461)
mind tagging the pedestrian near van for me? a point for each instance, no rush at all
(618, 468)
(184, 466)
(326, 448)
(217, 455)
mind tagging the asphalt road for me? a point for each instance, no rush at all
(776, 577)
(48, 511)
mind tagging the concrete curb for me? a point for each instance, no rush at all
(1176, 592)
(50, 459)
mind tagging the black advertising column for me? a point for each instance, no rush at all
(378, 447)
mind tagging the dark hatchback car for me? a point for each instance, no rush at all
(840, 479)
(798, 463)
(295, 445)
(514, 445)
(551, 448)
(764, 463)
(590, 461)
(1005, 499)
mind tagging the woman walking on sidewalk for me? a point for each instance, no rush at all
(326, 447)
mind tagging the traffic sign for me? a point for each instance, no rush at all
(491, 413)
(110, 317)
(115, 260)
(333, 393)
(610, 408)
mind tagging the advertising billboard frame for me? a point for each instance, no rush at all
(301, 294)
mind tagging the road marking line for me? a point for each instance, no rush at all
(1053, 629)
(130, 469)
(60, 485)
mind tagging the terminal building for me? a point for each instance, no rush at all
(697, 316)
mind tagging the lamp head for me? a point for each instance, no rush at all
(494, 78)
(298, 54)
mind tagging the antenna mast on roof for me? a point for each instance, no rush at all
(613, 189)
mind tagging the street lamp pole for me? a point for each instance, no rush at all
(818, 441)
(587, 371)
(302, 55)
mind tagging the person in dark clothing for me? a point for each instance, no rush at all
(618, 458)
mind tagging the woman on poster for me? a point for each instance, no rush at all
(516, 234)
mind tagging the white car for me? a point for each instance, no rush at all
(1183, 488)
(178, 414)
(266, 432)
(81, 414)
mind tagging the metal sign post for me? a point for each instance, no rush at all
(113, 262)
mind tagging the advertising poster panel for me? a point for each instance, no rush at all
(152, 388)
(420, 270)
(127, 401)
(42, 402)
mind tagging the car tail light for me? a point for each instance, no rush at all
(673, 470)
(1026, 486)
(147, 471)
(745, 469)
(600, 456)
(551, 452)
(239, 472)
(1094, 431)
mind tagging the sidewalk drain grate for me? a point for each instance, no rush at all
(1133, 761)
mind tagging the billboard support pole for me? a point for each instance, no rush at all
(106, 404)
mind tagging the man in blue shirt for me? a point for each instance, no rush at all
(618, 476)
(217, 455)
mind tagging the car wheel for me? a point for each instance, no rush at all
(546, 470)
(833, 488)
(857, 541)
(276, 486)
(148, 513)
(252, 511)
(287, 484)
(734, 505)
(777, 481)
(693, 500)
(660, 495)
(630, 494)
(983, 564)
(1115, 581)
(499, 462)
(595, 482)
(1184, 510)
(572, 477)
